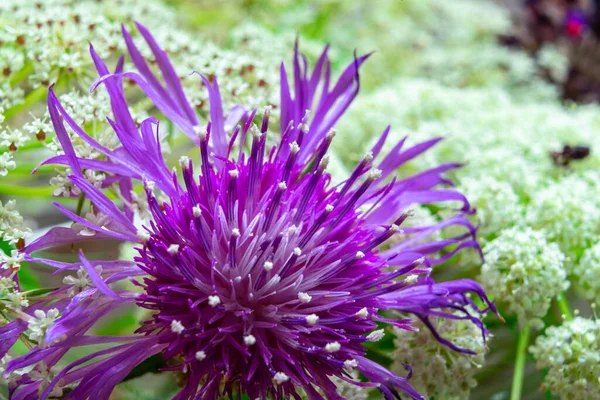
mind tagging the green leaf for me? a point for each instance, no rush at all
(38, 292)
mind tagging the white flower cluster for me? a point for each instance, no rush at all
(346, 390)
(447, 41)
(438, 372)
(506, 145)
(498, 206)
(555, 61)
(47, 42)
(587, 271)
(10, 297)
(539, 221)
(571, 355)
(79, 282)
(38, 325)
(12, 262)
(12, 227)
(570, 211)
(349, 391)
(525, 272)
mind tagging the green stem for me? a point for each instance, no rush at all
(563, 305)
(32, 145)
(33, 97)
(19, 76)
(519, 373)
(26, 168)
(22, 191)
(80, 202)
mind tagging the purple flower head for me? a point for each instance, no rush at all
(575, 23)
(261, 276)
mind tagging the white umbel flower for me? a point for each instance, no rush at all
(39, 324)
(587, 271)
(571, 355)
(438, 372)
(12, 262)
(525, 271)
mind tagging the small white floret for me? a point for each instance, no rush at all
(304, 128)
(294, 147)
(214, 301)
(324, 162)
(200, 355)
(173, 249)
(333, 347)
(268, 265)
(280, 378)
(184, 162)
(304, 297)
(249, 340)
(394, 228)
(376, 336)
(150, 185)
(374, 174)
(177, 327)
(197, 211)
(312, 319)
(255, 132)
(143, 236)
(200, 132)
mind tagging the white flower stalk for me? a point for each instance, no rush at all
(571, 355)
(439, 373)
(525, 272)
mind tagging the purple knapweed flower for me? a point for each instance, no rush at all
(261, 277)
